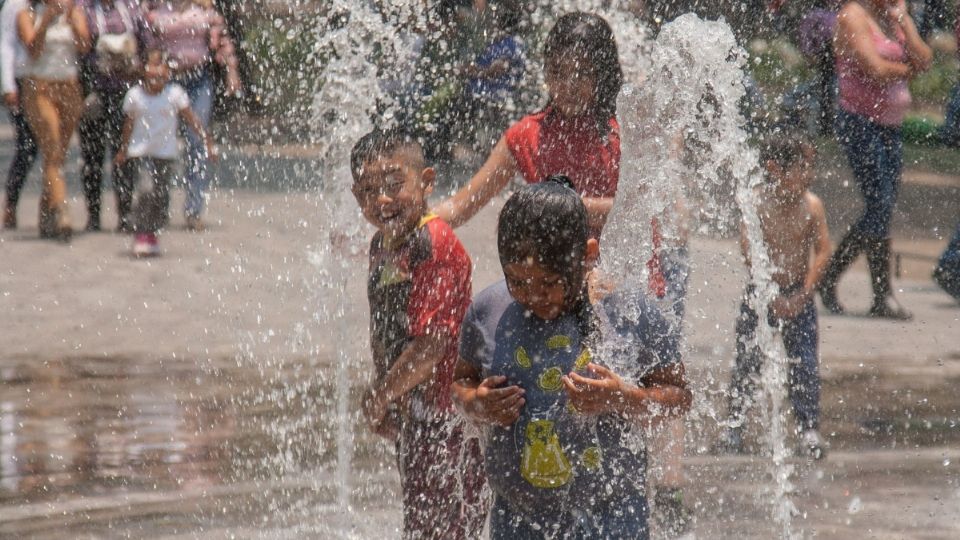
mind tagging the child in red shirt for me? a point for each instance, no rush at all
(419, 290)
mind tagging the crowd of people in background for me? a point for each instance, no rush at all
(84, 66)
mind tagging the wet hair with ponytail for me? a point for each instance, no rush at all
(588, 37)
(546, 222)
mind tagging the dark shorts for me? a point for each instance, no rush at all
(441, 475)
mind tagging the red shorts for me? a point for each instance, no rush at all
(442, 478)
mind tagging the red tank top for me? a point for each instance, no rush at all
(545, 143)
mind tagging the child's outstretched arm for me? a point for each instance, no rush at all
(485, 401)
(663, 394)
(414, 366)
(190, 119)
(598, 208)
(492, 177)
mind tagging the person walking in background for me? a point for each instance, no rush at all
(194, 35)
(149, 142)
(55, 34)
(878, 51)
(949, 132)
(13, 61)
(118, 34)
(947, 272)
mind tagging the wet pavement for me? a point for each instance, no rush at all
(194, 395)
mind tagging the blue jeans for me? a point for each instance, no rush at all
(947, 273)
(24, 156)
(199, 87)
(675, 265)
(949, 132)
(875, 154)
(800, 338)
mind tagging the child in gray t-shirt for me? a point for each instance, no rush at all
(555, 453)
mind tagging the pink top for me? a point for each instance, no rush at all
(192, 37)
(884, 102)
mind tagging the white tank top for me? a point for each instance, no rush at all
(58, 61)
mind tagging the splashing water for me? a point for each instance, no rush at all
(685, 147)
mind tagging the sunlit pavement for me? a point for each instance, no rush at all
(191, 395)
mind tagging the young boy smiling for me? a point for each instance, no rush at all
(418, 290)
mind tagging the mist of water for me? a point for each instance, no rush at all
(685, 161)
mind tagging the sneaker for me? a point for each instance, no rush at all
(672, 515)
(146, 245)
(812, 445)
(194, 224)
(9, 218)
(731, 442)
(950, 283)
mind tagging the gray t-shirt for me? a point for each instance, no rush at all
(552, 451)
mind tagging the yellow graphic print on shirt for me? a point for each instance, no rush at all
(551, 380)
(543, 462)
(591, 458)
(558, 342)
(582, 360)
(522, 358)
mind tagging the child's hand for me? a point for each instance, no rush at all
(595, 396)
(493, 405)
(788, 307)
(212, 154)
(374, 408)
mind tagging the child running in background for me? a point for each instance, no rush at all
(556, 454)
(419, 290)
(794, 226)
(149, 142)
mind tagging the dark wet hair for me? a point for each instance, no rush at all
(379, 143)
(508, 14)
(547, 222)
(784, 147)
(588, 36)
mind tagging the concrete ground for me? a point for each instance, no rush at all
(194, 395)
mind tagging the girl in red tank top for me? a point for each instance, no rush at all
(575, 135)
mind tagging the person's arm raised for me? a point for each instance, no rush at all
(492, 177)
(919, 54)
(854, 37)
(81, 32)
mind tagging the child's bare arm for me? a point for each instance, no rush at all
(414, 366)
(190, 119)
(598, 208)
(821, 244)
(484, 401)
(663, 394)
(121, 155)
(492, 177)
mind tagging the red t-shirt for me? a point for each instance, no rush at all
(418, 288)
(545, 143)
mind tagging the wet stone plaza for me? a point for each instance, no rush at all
(193, 397)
